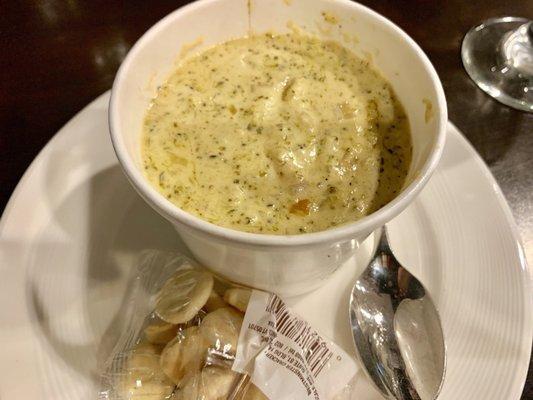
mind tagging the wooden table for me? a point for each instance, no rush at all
(56, 56)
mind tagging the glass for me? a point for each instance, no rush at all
(498, 56)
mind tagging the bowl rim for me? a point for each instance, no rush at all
(346, 231)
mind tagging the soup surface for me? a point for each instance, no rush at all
(280, 134)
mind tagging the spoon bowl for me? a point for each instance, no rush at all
(396, 329)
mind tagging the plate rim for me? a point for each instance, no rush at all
(525, 271)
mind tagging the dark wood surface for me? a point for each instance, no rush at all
(56, 56)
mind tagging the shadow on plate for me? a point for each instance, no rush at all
(80, 267)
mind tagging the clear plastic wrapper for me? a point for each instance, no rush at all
(179, 335)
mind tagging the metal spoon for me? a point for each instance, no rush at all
(396, 329)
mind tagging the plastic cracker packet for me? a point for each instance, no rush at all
(178, 333)
(183, 334)
(285, 356)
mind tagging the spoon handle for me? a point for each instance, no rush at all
(383, 244)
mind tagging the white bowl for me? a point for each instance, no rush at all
(288, 265)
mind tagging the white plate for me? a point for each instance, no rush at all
(74, 226)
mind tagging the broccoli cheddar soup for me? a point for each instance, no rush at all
(279, 134)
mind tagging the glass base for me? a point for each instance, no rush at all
(486, 52)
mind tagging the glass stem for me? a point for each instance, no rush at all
(517, 50)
